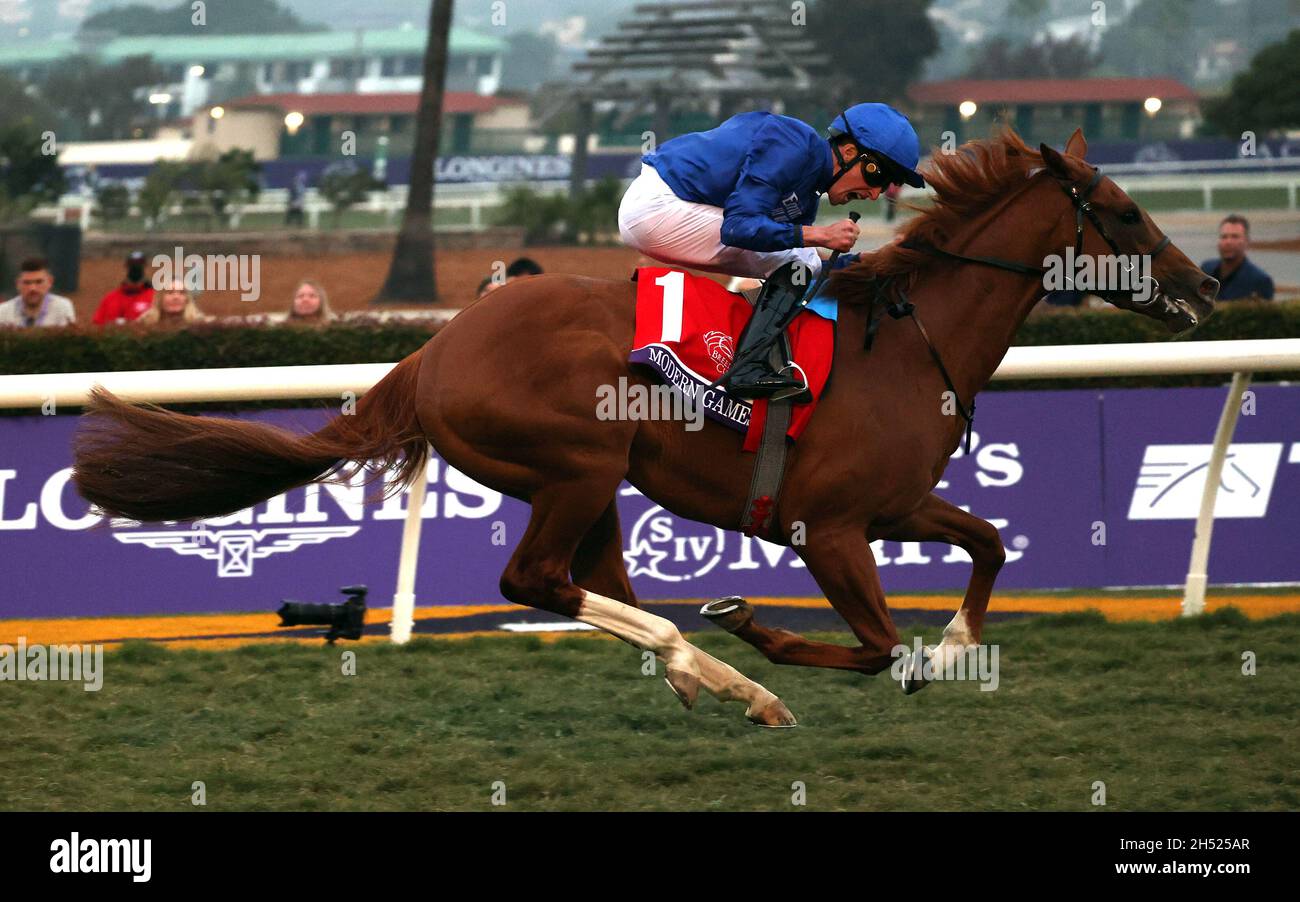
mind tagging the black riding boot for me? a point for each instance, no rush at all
(751, 375)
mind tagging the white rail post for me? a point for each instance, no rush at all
(1198, 569)
(404, 599)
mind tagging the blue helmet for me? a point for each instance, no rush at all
(883, 129)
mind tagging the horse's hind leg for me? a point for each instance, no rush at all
(598, 562)
(562, 519)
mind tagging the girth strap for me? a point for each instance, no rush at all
(769, 462)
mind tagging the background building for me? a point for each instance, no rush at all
(267, 124)
(209, 69)
(1048, 109)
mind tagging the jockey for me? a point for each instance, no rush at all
(741, 199)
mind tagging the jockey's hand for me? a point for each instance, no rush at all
(839, 236)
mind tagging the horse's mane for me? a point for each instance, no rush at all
(965, 183)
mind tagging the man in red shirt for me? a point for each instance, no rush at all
(130, 299)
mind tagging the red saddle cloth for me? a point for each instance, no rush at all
(686, 331)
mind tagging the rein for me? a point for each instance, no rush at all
(902, 307)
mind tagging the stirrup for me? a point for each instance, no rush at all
(802, 395)
(752, 390)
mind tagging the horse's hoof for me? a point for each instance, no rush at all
(774, 714)
(914, 680)
(686, 686)
(731, 613)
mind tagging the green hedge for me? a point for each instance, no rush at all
(229, 345)
(202, 346)
(206, 345)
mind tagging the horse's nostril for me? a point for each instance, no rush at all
(1210, 289)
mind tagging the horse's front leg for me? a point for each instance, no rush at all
(937, 520)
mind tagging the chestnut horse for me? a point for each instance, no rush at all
(506, 392)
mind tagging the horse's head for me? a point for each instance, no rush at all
(1166, 286)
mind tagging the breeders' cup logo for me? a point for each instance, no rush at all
(235, 550)
(673, 550)
(720, 349)
(1172, 479)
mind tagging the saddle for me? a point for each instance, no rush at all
(686, 332)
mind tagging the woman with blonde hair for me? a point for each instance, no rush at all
(174, 307)
(310, 304)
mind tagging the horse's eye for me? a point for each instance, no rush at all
(1130, 217)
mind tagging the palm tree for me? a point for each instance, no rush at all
(411, 274)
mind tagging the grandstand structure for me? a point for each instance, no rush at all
(723, 55)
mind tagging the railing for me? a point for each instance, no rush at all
(479, 199)
(1239, 358)
(1279, 175)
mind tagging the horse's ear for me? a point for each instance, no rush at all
(1077, 146)
(1054, 162)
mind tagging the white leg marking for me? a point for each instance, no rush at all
(957, 632)
(640, 628)
(654, 633)
(956, 638)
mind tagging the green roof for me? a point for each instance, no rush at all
(250, 48)
(34, 52)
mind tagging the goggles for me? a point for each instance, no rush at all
(876, 172)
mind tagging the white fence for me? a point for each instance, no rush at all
(1151, 179)
(480, 200)
(1239, 358)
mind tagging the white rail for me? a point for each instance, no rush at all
(252, 383)
(1240, 358)
(278, 383)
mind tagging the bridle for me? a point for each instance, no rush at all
(902, 307)
(1082, 208)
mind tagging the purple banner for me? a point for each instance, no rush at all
(1157, 448)
(1087, 489)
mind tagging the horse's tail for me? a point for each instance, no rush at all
(150, 464)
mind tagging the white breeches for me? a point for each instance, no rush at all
(661, 225)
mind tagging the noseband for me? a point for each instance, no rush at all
(1083, 207)
(903, 307)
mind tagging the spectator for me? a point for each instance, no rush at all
(1066, 297)
(174, 307)
(520, 268)
(130, 299)
(297, 199)
(1238, 277)
(891, 201)
(310, 304)
(524, 266)
(35, 305)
